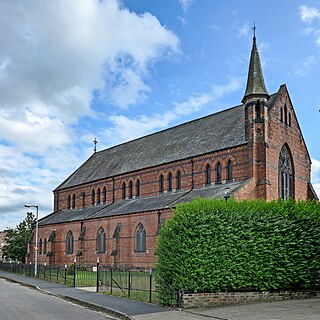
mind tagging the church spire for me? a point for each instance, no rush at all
(255, 82)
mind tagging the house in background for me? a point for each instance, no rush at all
(114, 204)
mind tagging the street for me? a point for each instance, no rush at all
(19, 302)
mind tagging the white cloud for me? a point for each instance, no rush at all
(54, 55)
(243, 31)
(307, 14)
(124, 128)
(72, 47)
(185, 4)
(305, 66)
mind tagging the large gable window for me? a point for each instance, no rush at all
(140, 241)
(101, 241)
(69, 243)
(286, 174)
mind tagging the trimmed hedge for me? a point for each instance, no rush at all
(213, 246)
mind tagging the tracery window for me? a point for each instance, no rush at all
(140, 241)
(286, 174)
(69, 243)
(101, 241)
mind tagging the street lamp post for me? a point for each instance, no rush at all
(37, 231)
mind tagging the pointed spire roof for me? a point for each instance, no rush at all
(255, 82)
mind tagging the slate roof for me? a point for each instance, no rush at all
(217, 131)
(138, 205)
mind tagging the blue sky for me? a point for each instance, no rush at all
(72, 71)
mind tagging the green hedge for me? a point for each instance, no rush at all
(212, 246)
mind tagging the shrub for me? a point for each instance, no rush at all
(212, 246)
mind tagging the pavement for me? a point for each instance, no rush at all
(120, 308)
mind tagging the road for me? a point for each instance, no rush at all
(19, 302)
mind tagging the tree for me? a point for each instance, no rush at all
(16, 240)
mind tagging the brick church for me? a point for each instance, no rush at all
(112, 207)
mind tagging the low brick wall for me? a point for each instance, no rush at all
(203, 300)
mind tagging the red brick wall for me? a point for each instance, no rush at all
(205, 300)
(280, 133)
(256, 162)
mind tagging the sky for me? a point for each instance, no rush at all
(72, 71)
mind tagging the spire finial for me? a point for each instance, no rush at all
(95, 145)
(254, 30)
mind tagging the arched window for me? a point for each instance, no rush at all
(73, 201)
(40, 246)
(208, 174)
(285, 114)
(101, 241)
(286, 174)
(69, 243)
(83, 199)
(69, 201)
(229, 171)
(130, 189)
(169, 181)
(258, 110)
(98, 196)
(45, 246)
(281, 115)
(140, 241)
(178, 180)
(138, 188)
(123, 190)
(93, 195)
(219, 171)
(161, 183)
(104, 195)
(289, 115)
